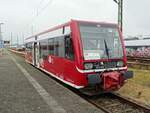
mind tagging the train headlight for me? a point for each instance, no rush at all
(88, 65)
(120, 64)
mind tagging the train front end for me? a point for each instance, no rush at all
(104, 58)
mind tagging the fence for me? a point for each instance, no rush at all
(139, 52)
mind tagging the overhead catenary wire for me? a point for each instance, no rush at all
(39, 10)
(42, 9)
(38, 6)
(40, 3)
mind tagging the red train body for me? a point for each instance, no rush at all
(89, 56)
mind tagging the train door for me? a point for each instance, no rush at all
(69, 65)
(36, 54)
(37, 47)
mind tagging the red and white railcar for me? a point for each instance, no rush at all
(84, 55)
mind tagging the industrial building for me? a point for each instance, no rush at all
(138, 47)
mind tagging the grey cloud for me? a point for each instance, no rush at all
(20, 15)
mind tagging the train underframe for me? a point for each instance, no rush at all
(105, 82)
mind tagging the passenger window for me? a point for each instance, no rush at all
(69, 54)
(51, 46)
(29, 47)
(59, 47)
(56, 46)
(43, 49)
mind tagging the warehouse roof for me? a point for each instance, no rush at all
(134, 43)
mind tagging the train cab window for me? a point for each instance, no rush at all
(51, 46)
(69, 54)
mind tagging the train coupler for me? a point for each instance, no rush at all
(112, 81)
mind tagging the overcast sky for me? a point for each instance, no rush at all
(24, 17)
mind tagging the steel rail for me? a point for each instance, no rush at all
(133, 102)
(116, 104)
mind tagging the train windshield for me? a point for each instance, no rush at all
(100, 41)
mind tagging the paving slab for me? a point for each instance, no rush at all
(18, 94)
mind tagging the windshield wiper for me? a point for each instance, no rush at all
(106, 49)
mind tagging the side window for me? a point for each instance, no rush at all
(51, 46)
(56, 46)
(69, 54)
(59, 46)
(44, 49)
(29, 47)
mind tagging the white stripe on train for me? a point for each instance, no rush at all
(100, 70)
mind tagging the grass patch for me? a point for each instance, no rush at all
(138, 87)
(141, 77)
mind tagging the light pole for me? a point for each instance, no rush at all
(120, 13)
(1, 31)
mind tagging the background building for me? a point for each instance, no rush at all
(138, 46)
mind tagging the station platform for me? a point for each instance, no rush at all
(25, 89)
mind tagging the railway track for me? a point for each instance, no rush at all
(139, 59)
(139, 63)
(145, 66)
(114, 103)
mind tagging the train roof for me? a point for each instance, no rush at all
(67, 24)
